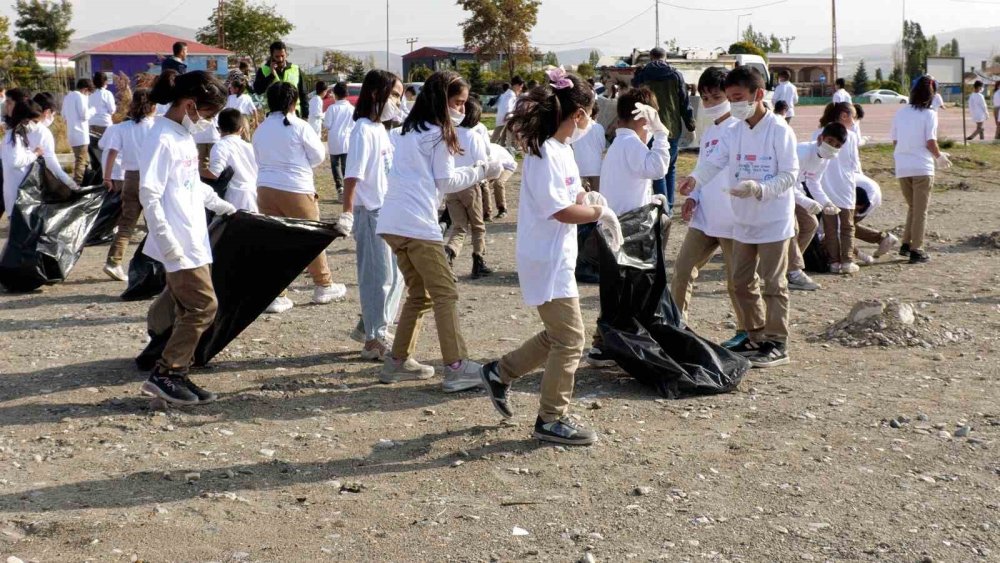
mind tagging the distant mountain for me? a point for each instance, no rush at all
(90, 41)
(574, 56)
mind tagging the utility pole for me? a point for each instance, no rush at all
(833, 6)
(657, 4)
(788, 43)
(902, 47)
(411, 41)
(387, 34)
(222, 24)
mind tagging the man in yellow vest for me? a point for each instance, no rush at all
(279, 69)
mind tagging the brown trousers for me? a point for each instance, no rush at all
(838, 236)
(204, 155)
(765, 317)
(430, 284)
(279, 203)
(917, 193)
(559, 348)
(80, 161)
(495, 192)
(591, 183)
(806, 225)
(131, 210)
(865, 234)
(696, 250)
(466, 211)
(188, 304)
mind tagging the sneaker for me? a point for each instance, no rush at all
(377, 349)
(835, 268)
(564, 431)
(802, 282)
(737, 340)
(496, 389)
(501, 214)
(865, 259)
(598, 359)
(328, 294)
(904, 249)
(358, 334)
(885, 246)
(746, 348)
(919, 257)
(204, 396)
(279, 305)
(115, 272)
(466, 376)
(171, 389)
(771, 354)
(394, 371)
(849, 268)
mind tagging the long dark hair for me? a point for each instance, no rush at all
(473, 113)
(23, 112)
(538, 115)
(207, 91)
(922, 93)
(45, 100)
(280, 97)
(142, 105)
(375, 91)
(832, 112)
(431, 107)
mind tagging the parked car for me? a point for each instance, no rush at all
(353, 91)
(885, 97)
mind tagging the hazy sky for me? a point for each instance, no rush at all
(360, 24)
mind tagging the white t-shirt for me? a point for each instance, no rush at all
(369, 159)
(629, 168)
(811, 170)
(17, 159)
(546, 249)
(977, 107)
(785, 91)
(474, 147)
(937, 102)
(77, 112)
(339, 121)
(41, 136)
(162, 109)
(714, 213)
(129, 140)
(103, 103)
(589, 151)
(501, 155)
(286, 154)
(505, 105)
(242, 103)
(911, 129)
(410, 207)
(996, 99)
(110, 139)
(874, 192)
(232, 151)
(841, 95)
(840, 179)
(316, 113)
(482, 130)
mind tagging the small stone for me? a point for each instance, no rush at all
(944, 434)
(963, 432)
(588, 558)
(266, 452)
(384, 444)
(595, 405)
(457, 463)
(895, 423)
(642, 491)
(430, 412)
(160, 510)
(352, 488)
(192, 476)
(13, 559)
(335, 484)
(922, 417)
(518, 531)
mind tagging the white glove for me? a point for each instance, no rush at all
(814, 208)
(659, 200)
(510, 165)
(943, 162)
(346, 221)
(595, 198)
(609, 226)
(831, 209)
(221, 207)
(652, 117)
(745, 189)
(493, 169)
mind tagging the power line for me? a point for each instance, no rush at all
(689, 8)
(616, 28)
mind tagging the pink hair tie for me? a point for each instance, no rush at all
(559, 79)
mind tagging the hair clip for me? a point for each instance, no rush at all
(558, 78)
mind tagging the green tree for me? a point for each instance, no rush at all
(950, 49)
(357, 73)
(595, 57)
(419, 73)
(500, 29)
(744, 48)
(878, 75)
(916, 47)
(896, 75)
(21, 63)
(860, 79)
(45, 25)
(954, 48)
(585, 70)
(472, 71)
(370, 62)
(767, 44)
(338, 62)
(250, 28)
(551, 59)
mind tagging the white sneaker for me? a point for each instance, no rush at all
(801, 281)
(328, 294)
(115, 272)
(279, 305)
(394, 371)
(378, 349)
(865, 259)
(849, 268)
(835, 268)
(465, 377)
(885, 246)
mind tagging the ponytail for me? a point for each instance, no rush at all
(206, 90)
(280, 97)
(538, 115)
(23, 112)
(141, 105)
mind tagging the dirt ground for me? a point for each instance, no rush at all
(848, 454)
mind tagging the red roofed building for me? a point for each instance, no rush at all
(143, 52)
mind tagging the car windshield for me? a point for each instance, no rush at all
(353, 90)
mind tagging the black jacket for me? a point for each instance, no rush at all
(667, 84)
(261, 83)
(171, 63)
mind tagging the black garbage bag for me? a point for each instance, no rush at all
(641, 325)
(146, 276)
(222, 182)
(48, 226)
(588, 256)
(255, 258)
(103, 230)
(815, 257)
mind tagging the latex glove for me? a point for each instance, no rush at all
(659, 200)
(943, 162)
(609, 226)
(686, 186)
(223, 207)
(510, 166)
(594, 198)
(831, 209)
(687, 212)
(814, 208)
(745, 189)
(652, 117)
(346, 221)
(493, 169)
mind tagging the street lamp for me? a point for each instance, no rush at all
(738, 24)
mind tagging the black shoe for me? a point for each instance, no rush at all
(501, 213)
(450, 254)
(496, 389)
(204, 396)
(919, 257)
(771, 354)
(904, 249)
(747, 348)
(487, 218)
(564, 431)
(169, 387)
(479, 267)
(599, 359)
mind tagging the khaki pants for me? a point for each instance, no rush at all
(865, 234)
(501, 135)
(429, 285)
(279, 203)
(466, 211)
(204, 155)
(591, 183)
(131, 209)
(188, 304)
(979, 131)
(558, 348)
(917, 193)
(80, 161)
(806, 225)
(495, 191)
(769, 261)
(696, 250)
(839, 236)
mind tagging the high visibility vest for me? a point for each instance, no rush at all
(291, 77)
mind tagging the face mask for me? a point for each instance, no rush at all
(715, 112)
(390, 111)
(828, 151)
(196, 127)
(47, 122)
(31, 126)
(579, 132)
(741, 110)
(456, 117)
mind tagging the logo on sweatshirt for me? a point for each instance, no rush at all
(570, 180)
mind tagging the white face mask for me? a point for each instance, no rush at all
(741, 110)
(196, 127)
(456, 117)
(828, 151)
(579, 132)
(717, 111)
(390, 112)
(47, 122)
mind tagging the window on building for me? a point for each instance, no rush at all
(107, 65)
(212, 64)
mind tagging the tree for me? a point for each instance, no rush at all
(950, 49)
(500, 28)
(551, 59)
(338, 62)
(595, 57)
(250, 28)
(744, 48)
(860, 79)
(358, 72)
(767, 44)
(21, 63)
(878, 75)
(585, 70)
(896, 75)
(420, 73)
(472, 71)
(45, 24)
(370, 62)
(916, 48)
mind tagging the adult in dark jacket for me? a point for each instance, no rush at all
(278, 69)
(177, 61)
(667, 84)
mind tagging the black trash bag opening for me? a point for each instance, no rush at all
(255, 258)
(146, 277)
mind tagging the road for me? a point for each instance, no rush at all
(878, 120)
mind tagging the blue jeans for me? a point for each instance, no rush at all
(380, 284)
(667, 185)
